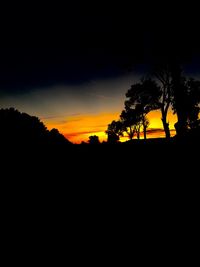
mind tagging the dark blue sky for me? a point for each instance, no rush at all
(72, 64)
(86, 40)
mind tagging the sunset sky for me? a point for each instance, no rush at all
(82, 110)
(71, 66)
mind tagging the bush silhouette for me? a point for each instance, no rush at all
(21, 128)
(94, 140)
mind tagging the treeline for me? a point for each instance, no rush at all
(166, 88)
(18, 128)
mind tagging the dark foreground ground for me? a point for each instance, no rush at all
(100, 195)
(153, 159)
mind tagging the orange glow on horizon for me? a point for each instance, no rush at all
(78, 128)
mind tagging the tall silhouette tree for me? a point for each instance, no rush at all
(180, 93)
(179, 98)
(189, 104)
(164, 77)
(143, 97)
(193, 101)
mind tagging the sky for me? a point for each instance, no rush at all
(71, 66)
(79, 111)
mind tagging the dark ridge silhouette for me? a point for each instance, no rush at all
(18, 128)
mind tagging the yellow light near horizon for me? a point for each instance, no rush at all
(79, 128)
(156, 122)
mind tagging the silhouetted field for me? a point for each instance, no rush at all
(155, 156)
(100, 183)
(33, 158)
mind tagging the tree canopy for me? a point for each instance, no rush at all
(21, 128)
(167, 88)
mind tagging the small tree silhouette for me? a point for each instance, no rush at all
(94, 140)
(114, 131)
(145, 123)
(131, 122)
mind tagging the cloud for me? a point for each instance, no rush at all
(158, 132)
(73, 134)
(104, 97)
(154, 130)
(50, 117)
(74, 114)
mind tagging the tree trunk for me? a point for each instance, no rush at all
(179, 99)
(145, 132)
(131, 134)
(166, 127)
(138, 131)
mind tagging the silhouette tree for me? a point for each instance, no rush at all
(114, 131)
(143, 97)
(182, 94)
(170, 89)
(179, 98)
(56, 138)
(190, 106)
(145, 123)
(142, 120)
(94, 140)
(192, 103)
(163, 74)
(131, 122)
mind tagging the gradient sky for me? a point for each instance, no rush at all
(79, 111)
(71, 66)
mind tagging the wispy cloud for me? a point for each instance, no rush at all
(51, 117)
(159, 132)
(74, 134)
(154, 130)
(104, 97)
(74, 114)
